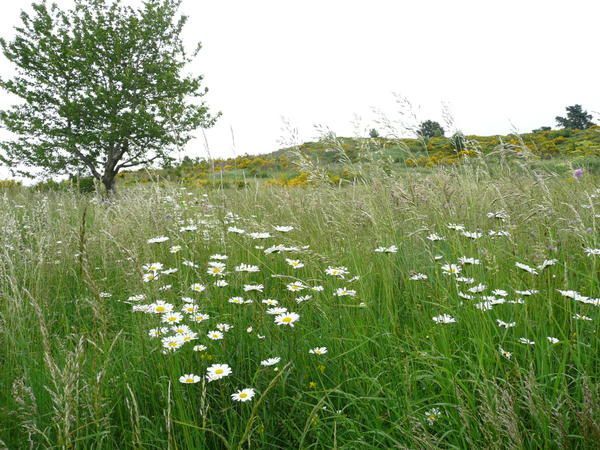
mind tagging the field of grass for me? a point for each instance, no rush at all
(478, 335)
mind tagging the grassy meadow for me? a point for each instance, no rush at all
(445, 307)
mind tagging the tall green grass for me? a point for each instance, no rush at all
(78, 370)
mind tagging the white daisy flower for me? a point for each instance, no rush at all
(217, 371)
(161, 307)
(136, 298)
(181, 329)
(526, 268)
(433, 237)
(263, 235)
(158, 332)
(153, 267)
(270, 361)
(157, 240)
(502, 215)
(215, 269)
(527, 292)
(288, 318)
(418, 277)
(150, 276)
(339, 272)
(465, 260)
(451, 269)
(504, 353)
(243, 395)
(172, 317)
(466, 280)
(189, 308)
(296, 286)
(303, 298)
(214, 335)
(224, 327)
(444, 318)
(318, 351)
(247, 268)
(581, 317)
(432, 416)
(479, 288)
(253, 287)
(547, 263)
(390, 249)
(189, 379)
(294, 263)
(344, 292)
(198, 287)
(172, 343)
(472, 234)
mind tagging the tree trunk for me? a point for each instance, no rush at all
(109, 182)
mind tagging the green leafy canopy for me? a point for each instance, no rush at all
(102, 88)
(577, 118)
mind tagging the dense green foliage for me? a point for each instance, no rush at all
(102, 88)
(576, 119)
(78, 369)
(430, 128)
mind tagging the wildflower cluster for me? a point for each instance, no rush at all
(227, 294)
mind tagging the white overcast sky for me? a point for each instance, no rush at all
(499, 65)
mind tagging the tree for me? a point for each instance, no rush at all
(373, 133)
(429, 129)
(102, 89)
(577, 118)
(541, 129)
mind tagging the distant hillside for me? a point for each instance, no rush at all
(338, 154)
(337, 158)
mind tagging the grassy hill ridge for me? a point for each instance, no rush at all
(338, 157)
(288, 166)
